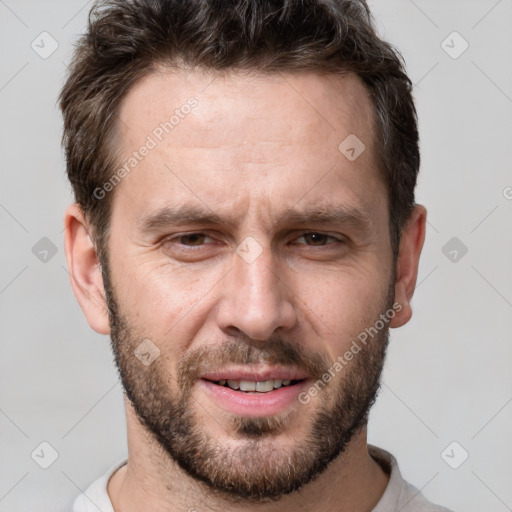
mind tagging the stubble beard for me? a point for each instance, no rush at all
(257, 468)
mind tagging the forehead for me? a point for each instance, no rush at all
(301, 102)
(242, 136)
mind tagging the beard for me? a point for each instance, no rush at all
(257, 468)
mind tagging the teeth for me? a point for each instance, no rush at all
(234, 384)
(252, 386)
(263, 387)
(247, 385)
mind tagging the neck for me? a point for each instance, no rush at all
(151, 480)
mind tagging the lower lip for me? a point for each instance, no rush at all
(253, 404)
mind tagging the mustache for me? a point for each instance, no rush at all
(241, 352)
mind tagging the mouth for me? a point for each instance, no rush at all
(255, 387)
(254, 392)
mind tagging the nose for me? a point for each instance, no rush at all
(255, 301)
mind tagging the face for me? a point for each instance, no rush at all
(246, 254)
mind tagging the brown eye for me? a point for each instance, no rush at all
(318, 239)
(193, 239)
(188, 242)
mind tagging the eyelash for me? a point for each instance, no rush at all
(336, 242)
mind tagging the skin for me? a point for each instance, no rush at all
(254, 145)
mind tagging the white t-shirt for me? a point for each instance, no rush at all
(398, 496)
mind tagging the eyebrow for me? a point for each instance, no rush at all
(325, 215)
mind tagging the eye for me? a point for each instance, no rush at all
(193, 238)
(189, 240)
(192, 242)
(319, 239)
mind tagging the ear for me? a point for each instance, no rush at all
(85, 270)
(411, 244)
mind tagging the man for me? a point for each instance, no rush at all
(245, 231)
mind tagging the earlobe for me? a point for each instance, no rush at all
(411, 244)
(85, 270)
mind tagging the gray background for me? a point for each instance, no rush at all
(448, 373)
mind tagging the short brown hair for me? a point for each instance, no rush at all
(127, 39)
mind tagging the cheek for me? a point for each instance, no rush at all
(164, 302)
(341, 305)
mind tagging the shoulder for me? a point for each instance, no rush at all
(399, 494)
(95, 497)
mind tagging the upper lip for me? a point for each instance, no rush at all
(255, 374)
